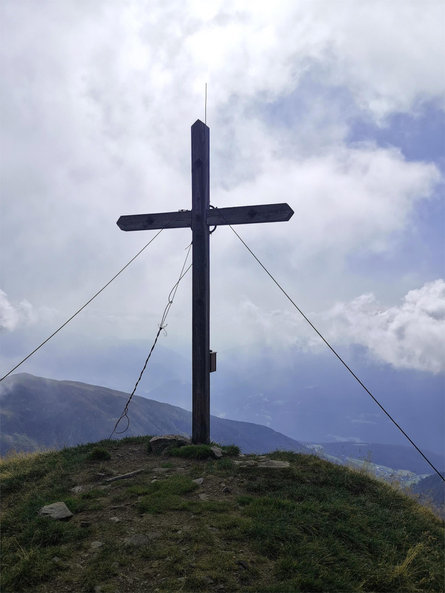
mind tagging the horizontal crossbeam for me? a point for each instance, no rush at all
(162, 220)
(215, 217)
(249, 214)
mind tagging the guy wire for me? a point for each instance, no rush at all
(337, 355)
(162, 326)
(81, 308)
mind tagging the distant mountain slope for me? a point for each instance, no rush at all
(431, 488)
(37, 412)
(398, 457)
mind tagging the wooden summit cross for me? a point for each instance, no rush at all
(200, 218)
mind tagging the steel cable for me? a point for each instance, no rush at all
(337, 355)
(162, 326)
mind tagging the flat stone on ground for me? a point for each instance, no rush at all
(274, 463)
(216, 452)
(268, 463)
(141, 539)
(159, 443)
(246, 463)
(138, 539)
(56, 510)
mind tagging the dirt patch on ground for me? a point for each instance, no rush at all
(173, 549)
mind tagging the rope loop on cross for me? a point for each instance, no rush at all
(214, 228)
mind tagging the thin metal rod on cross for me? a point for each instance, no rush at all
(200, 218)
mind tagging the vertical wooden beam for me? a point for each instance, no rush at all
(201, 284)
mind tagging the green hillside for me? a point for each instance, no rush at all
(246, 526)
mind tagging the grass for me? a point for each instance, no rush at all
(202, 451)
(231, 450)
(166, 495)
(99, 454)
(312, 527)
(343, 516)
(192, 452)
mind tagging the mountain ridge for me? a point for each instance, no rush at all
(398, 457)
(39, 412)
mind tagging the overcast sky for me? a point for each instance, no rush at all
(336, 107)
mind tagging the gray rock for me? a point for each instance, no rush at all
(267, 464)
(198, 481)
(247, 463)
(124, 476)
(138, 539)
(274, 463)
(56, 510)
(158, 444)
(77, 489)
(141, 539)
(216, 452)
(203, 496)
(96, 545)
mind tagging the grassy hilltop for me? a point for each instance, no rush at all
(310, 527)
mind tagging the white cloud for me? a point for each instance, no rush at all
(12, 316)
(100, 99)
(389, 54)
(352, 198)
(411, 335)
